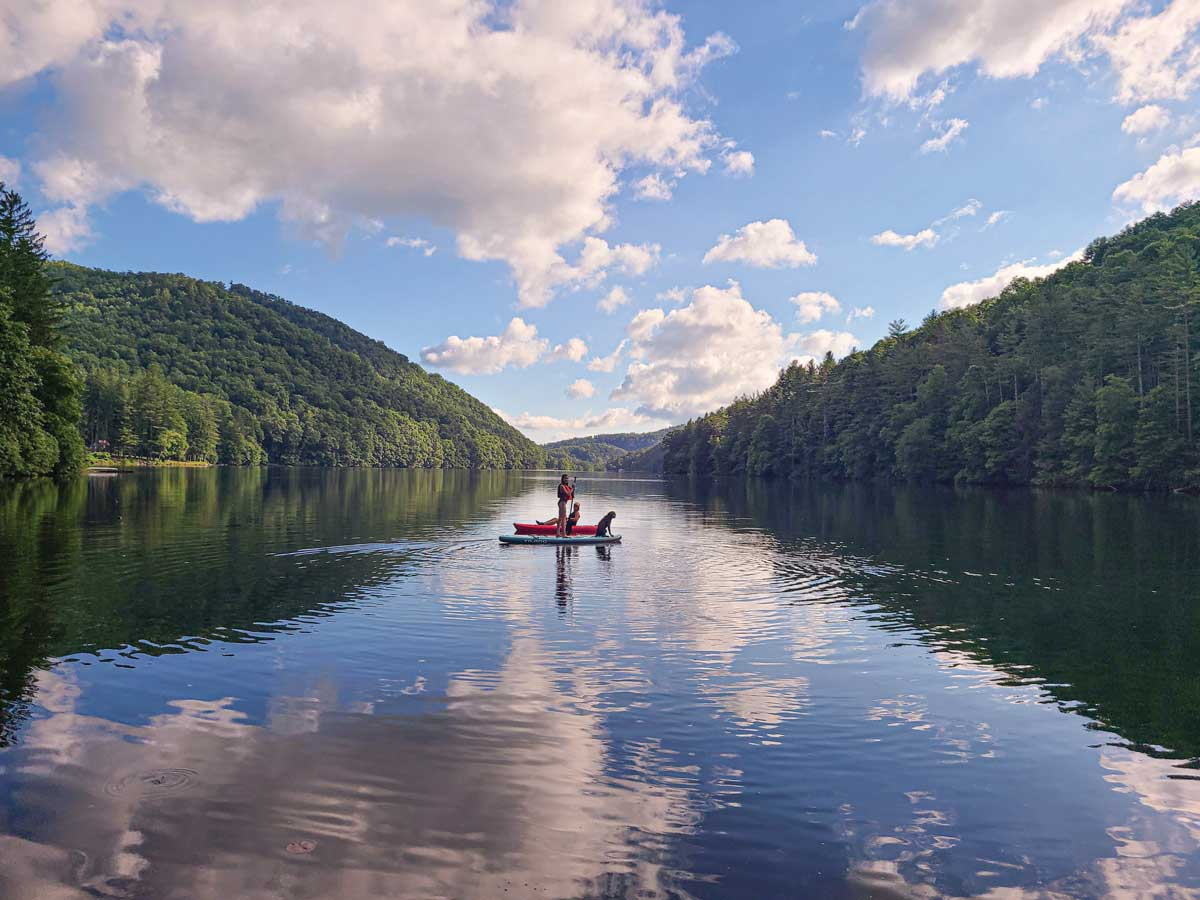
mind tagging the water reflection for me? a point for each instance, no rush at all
(270, 684)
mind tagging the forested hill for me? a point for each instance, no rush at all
(1086, 377)
(599, 451)
(184, 369)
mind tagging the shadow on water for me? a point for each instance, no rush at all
(1094, 597)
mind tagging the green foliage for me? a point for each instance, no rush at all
(181, 369)
(1086, 377)
(39, 387)
(599, 452)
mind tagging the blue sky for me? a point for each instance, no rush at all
(852, 153)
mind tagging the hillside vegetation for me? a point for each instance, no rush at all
(598, 452)
(39, 388)
(1086, 377)
(176, 368)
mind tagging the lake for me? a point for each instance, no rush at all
(337, 684)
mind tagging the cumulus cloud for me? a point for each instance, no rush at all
(764, 245)
(926, 237)
(1170, 181)
(952, 129)
(861, 312)
(614, 299)
(573, 350)
(529, 114)
(607, 363)
(65, 229)
(673, 295)
(965, 293)
(1152, 54)
(10, 171)
(519, 347)
(653, 187)
(421, 244)
(738, 162)
(1005, 38)
(551, 428)
(1145, 119)
(1156, 56)
(812, 305)
(700, 356)
(814, 346)
(580, 389)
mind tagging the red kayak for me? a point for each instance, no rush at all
(531, 528)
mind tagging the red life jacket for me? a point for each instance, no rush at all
(566, 493)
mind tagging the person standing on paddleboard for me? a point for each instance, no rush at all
(566, 493)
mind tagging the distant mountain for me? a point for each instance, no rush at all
(600, 451)
(185, 369)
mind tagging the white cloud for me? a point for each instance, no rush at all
(519, 346)
(552, 428)
(415, 243)
(581, 389)
(856, 137)
(815, 345)
(825, 133)
(970, 208)
(861, 312)
(1038, 103)
(953, 128)
(574, 350)
(10, 171)
(926, 237)
(612, 300)
(529, 114)
(700, 356)
(1152, 54)
(966, 293)
(1145, 119)
(996, 218)
(674, 295)
(738, 162)
(65, 229)
(769, 245)
(1006, 38)
(812, 305)
(607, 363)
(1156, 56)
(653, 187)
(1170, 181)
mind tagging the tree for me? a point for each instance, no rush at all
(1116, 428)
(40, 410)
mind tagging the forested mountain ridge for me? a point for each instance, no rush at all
(180, 368)
(599, 451)
(1085, 377)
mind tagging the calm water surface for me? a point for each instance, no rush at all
(305, 684)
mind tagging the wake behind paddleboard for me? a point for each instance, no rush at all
(539, 539)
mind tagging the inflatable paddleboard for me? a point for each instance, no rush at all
(541, 539)
(548, 530)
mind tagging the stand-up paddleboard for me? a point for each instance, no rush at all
(540, 539)
(548, 530)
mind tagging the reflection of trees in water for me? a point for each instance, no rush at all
(102, 563)
(1093, 594)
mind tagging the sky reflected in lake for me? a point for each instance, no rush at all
(278, 683)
